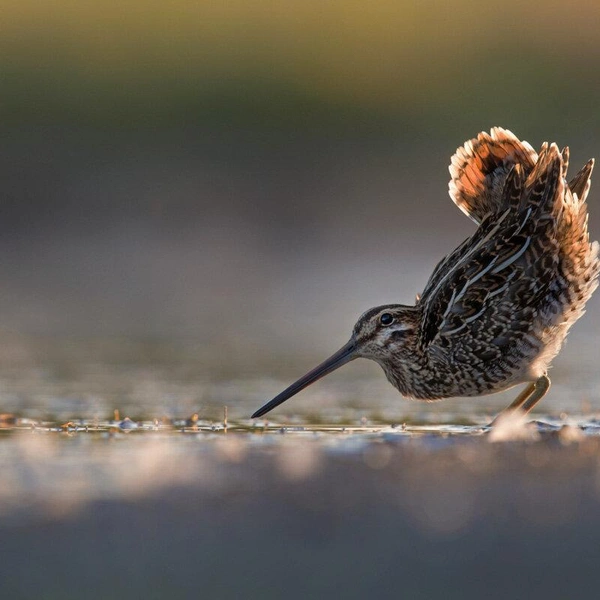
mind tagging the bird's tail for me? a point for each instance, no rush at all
(479, 169)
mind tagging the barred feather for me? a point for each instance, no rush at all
(479, 168)
(506, 297)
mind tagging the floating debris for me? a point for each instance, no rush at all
(127, 424)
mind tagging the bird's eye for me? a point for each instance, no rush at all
(386, 319)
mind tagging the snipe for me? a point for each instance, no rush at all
(496, 310)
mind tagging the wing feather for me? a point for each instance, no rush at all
(511, 255)
(580, 184)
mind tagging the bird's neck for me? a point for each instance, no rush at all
(414, 374)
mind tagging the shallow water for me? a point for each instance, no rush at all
(132, 468)
(296, 512)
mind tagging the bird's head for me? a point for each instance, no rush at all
(384, 334)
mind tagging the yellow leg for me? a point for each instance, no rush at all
(541, 386)
(520, 399)
(528, 398)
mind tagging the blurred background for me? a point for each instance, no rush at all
(199, 199)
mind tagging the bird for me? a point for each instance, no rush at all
(497, 309)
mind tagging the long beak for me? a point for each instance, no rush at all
(341, 357)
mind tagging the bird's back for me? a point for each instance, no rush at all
(496, 310)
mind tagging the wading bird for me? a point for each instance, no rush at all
(495, 312)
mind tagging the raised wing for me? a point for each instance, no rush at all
(497, 279)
